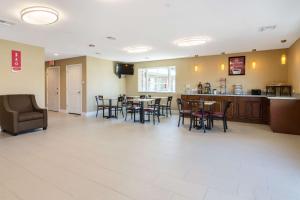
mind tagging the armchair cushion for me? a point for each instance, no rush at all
(20, 103)
(23, 117)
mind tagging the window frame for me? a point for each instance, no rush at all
(140, 88)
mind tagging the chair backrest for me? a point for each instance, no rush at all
(129, 101)
(20, 103)
(179, 104)
(157, 104)
(142, 96)
(226, 107)
(169, 101)
(120, 100)
(99, 100)
(196, 105)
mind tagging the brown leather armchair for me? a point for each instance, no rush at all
(19, 113)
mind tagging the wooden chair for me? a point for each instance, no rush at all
(118, 107)
(181, 111)
(221, 115)
(131, 108)
(154, 111)
(198, 116)
(100, 104)
(167, 107)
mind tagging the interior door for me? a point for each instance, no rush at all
(53, 81)
(74, 89)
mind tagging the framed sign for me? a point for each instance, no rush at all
(237, 65)
(16, 62)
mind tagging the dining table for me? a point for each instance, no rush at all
(110, 115)
(142, 105)
(210, 104)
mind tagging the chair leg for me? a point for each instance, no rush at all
(224, 125)
(158, 119)
(179, 120)
(183, 119)
(126, 114)
(170, 111)
(153, 118)
(203, 125)
(97, 112)
(191, 123)
(103, 110)
(122, 112)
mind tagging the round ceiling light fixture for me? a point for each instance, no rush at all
(137, 49)
(192, 41)
(39, 15)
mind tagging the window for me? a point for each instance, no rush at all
(157, 79)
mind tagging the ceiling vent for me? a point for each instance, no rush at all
(267, 28)
(6, 23)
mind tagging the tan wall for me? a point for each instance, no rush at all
(268, 69)
(294, 66)
(62, 64)
(101, 80)
(32, 77)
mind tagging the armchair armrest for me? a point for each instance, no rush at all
(40, 110)
(36, 107)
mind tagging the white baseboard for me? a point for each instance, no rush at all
(63, 111)
(89, 114)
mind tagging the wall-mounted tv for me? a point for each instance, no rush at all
(124, 69)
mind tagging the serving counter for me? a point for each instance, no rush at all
(244, 108)
(282, 113)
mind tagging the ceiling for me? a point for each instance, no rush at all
(232, 26)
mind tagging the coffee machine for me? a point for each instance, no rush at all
(200, 88)
(207, 88)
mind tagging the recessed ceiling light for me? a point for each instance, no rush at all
(92, 45)
(98, 53)
(56, 54)
(283, 41)
(6, 23)
(137, 49)
(192, 41)
(39, 15)
(267, 28)
(111, 38)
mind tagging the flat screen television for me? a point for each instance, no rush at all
(124, 69)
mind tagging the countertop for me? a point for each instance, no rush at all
(295, 97)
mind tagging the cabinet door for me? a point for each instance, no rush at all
(255, 110)
(249, 109)
(230, 112)
(242, 109)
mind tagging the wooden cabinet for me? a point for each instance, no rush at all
(249, 109)
(242, 109)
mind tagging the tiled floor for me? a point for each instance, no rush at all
(95, 159)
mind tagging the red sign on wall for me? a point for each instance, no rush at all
(16, 62)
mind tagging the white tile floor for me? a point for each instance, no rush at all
(96, 159)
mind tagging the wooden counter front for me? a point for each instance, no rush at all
(285, 116)
(251, 109)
